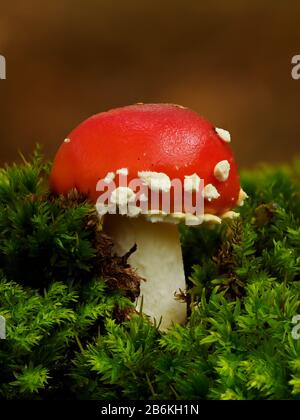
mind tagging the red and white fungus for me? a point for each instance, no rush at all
(154, 144)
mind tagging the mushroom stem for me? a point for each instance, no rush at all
(158, 259)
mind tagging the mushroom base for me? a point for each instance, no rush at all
(158, 259)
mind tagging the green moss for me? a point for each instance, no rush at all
(71, 330)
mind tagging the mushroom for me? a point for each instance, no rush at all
(155, 144)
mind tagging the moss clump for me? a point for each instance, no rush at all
(71, 328)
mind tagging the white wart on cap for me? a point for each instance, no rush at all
(122, 196)
(210, 192)
(156, 181)
(222, 170)
(192, 183)
(223, 134)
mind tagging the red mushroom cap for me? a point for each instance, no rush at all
(148, 137)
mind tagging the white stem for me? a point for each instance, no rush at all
(158, 259)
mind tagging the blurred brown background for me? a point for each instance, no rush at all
(228, 60)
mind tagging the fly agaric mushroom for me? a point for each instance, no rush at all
(154, 143)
